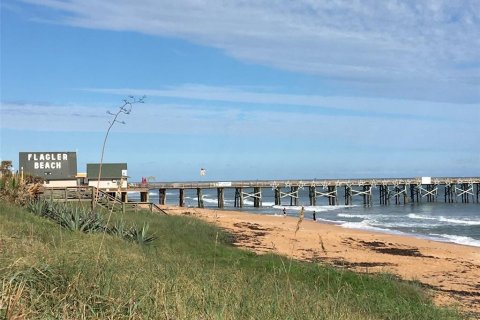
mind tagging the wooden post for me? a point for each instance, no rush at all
(238, 197)
(478, 191)
(365, 201)
(162, 196)
(381, 193)
(348, 195)
(312, 196)
(278, 198)
(334, 198)
(93, 197)
(412, 193)
(257, 199)
(294, 196)
(181, 197)
(200, 198)
(124, 197)
(220, 197)
(241, 197)
(370, 195)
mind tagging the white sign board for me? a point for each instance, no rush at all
(124, 173)
(224, 184)
(426, 180)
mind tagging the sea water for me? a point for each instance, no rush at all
(448, 222)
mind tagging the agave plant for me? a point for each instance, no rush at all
(81, 220)
(38, 207)
(119, 229)
(140, 236)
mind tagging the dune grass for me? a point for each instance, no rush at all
(190, 272)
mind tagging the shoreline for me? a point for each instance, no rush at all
(451, 270)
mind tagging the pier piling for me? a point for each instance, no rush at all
(220, 197)
(181, 197)
(200, 197)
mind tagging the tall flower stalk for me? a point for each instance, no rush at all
(126, 108)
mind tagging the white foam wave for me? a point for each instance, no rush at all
(309, 208)
(366, 225)
(458, 239)
(422, 217)
(347, 215)
(444, 219)
(208, 200)
(268, 204)
(459, 221)
(405, 225)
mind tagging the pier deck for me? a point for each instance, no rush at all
(397, 190)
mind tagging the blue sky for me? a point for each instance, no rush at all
(246, 89)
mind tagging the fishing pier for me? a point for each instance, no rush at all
(287, 192)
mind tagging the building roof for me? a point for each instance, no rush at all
(109, 170)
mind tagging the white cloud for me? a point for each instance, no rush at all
(387, 47)
(368, 107)
(386, 130)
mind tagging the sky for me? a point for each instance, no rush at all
(246, 89)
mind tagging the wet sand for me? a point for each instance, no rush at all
(452, 271)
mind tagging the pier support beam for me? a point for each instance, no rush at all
(383, 194)
(312, 195)
(278, 197)
(449, 193)
(162, 196)
(200, 197)
(220, 197)
(465, 190)
(181, 197)
(238, 198)
(348, 195)
(294, 196)
(144, 196)
(430, 192)
(478, 191)
(330, 193)
(332, 196)
(257, 197)
(412, 194)
(124, 197)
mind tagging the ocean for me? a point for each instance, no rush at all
(439, 221)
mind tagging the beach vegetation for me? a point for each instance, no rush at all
(189, 270)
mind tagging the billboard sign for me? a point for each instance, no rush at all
(49, 165)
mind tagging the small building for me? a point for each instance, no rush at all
(57, 169)
(113, 175)
(81, 178)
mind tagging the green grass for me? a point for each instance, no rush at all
(190, 272)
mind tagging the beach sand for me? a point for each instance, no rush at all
(451, 271)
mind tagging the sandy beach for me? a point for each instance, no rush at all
(451, 271)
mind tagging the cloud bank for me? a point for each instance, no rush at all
(416, 49)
